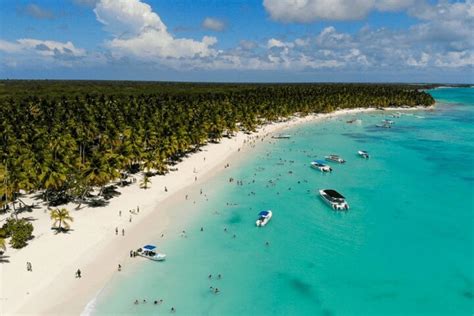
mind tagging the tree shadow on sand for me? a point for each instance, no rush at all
(4, 258)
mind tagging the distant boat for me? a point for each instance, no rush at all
(383, 125)
(334, 199)
(321, 166)
(363, 154)
(263, 218)
(334, 158)
(357, 121)
(148, 251)
(397, 115)
(281, 136)
(386, 121)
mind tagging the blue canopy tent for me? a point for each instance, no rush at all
(321, 162)
(149, 247)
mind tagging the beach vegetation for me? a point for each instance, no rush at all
(18, 230)
(70, 139)
(145, 182)
(61, 219)
(3, 245)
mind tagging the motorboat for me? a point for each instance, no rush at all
(397, 115)
(321, 166)
(263, 218)
(149, 251)
(388, 122)
(357, 121)
(334, 199)
(383, 125)
(281, 136)
(363, 154)
(335, 158)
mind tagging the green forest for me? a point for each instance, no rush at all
(62, 139)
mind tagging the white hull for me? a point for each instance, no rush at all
(335, 159)
(338, 206)
(322, 168)
(157, 257)
(363, 154)
(263, 221)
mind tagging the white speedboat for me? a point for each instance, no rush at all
(148, 251)
(321, 166)
(334, 199)
(281, 136)
(263, 218)
(388, 122)
(383, 125)
(363, 154)
(335, 158)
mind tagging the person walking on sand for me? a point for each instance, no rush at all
(123, 232)
(78, 273)
(116, 230)
(119, 267)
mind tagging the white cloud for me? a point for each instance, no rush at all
(213, 24)
(43, 48)
(28, 51)
(277, 43)
(305, 11)
(37, 12)
(139, 31)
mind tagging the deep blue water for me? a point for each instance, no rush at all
(404, 248)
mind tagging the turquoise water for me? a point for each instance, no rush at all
(404, 248)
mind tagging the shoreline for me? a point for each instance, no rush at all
(92, 244)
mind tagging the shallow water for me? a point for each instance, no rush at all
(404, 248)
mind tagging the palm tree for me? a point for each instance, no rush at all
(61, 217)
(145, 182)
(3, 245)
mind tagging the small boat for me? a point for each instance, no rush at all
(383, 126)
(263, 218)
(334, 199)
(363, 154)
(335, 158)
(148, 251)
(388, 122)
(321, 166)
(397, 115)
(281, 136)
(357, 121)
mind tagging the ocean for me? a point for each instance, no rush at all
(405, 247)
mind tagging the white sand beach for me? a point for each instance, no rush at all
(92, 245)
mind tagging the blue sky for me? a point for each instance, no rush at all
(264, 40)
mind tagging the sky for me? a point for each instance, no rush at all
(238, 40)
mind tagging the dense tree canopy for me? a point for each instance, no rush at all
(66, 137)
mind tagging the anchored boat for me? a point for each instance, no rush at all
(335, 158)
(363, 154)
(334, 199)
(263, 218)
(321, 166)
(281, 136)
(148, 251)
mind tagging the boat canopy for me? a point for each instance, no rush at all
(149, 247)
(333, 194)
(320, 162)
(263, 213)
